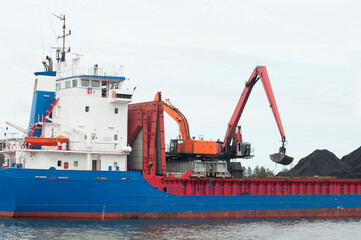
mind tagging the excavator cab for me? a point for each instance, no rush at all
(244, 150)
(173, 148)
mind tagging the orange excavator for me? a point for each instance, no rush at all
(185, 145)
(233, 145)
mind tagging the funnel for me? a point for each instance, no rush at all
(281, 158)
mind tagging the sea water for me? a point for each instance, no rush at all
(313, 229)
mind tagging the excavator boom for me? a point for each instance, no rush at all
(260, 72)
(185, 144)
(174, 113)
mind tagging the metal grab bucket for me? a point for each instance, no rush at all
(281, 158)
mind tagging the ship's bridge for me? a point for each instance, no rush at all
(98, 82)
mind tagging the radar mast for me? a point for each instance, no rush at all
(60, 51)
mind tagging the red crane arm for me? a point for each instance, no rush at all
(174, 113)
(259, 72)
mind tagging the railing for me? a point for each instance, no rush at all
(70, 71)
(231, 191)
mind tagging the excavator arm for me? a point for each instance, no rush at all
(259, 72)
(174, 113)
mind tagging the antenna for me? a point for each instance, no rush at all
(62, 49)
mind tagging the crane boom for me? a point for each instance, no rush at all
(260, 72)
(23, 130)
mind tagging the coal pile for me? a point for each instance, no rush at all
(325, 163)
(354, 161)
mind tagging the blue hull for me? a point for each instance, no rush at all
(111, 194)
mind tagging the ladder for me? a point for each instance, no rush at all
(48, 112)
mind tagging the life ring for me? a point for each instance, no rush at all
(114, 94)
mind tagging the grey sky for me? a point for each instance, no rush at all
(199, 54)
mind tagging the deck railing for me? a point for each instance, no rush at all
(232, 191)
(71, 71)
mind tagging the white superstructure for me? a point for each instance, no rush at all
(91, 111)
(79, 118)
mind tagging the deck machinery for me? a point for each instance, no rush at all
(204, 157)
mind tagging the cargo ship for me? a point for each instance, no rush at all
(90, 153)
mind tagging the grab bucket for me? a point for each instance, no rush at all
(281, 158)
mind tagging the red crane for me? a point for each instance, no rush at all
(229, 150)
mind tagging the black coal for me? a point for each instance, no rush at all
(325, 163)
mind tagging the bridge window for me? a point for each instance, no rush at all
(84, 83)
(58, 85)
(67, 84)
(75, 82)
(95, 84)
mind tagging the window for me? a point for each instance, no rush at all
(115, 137)
(58, 85)
(59, 163)
(95, 84)
(104, 89)
(116, 85)
(86, 108)
(75, 82)
(67, 84)
(84, 83)
(115, 164)
(127, 96)
(75, 163)
(115, 110)
(111, 85)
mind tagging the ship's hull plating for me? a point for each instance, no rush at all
(127, 195)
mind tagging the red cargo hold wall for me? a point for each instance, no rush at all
(148, 119)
